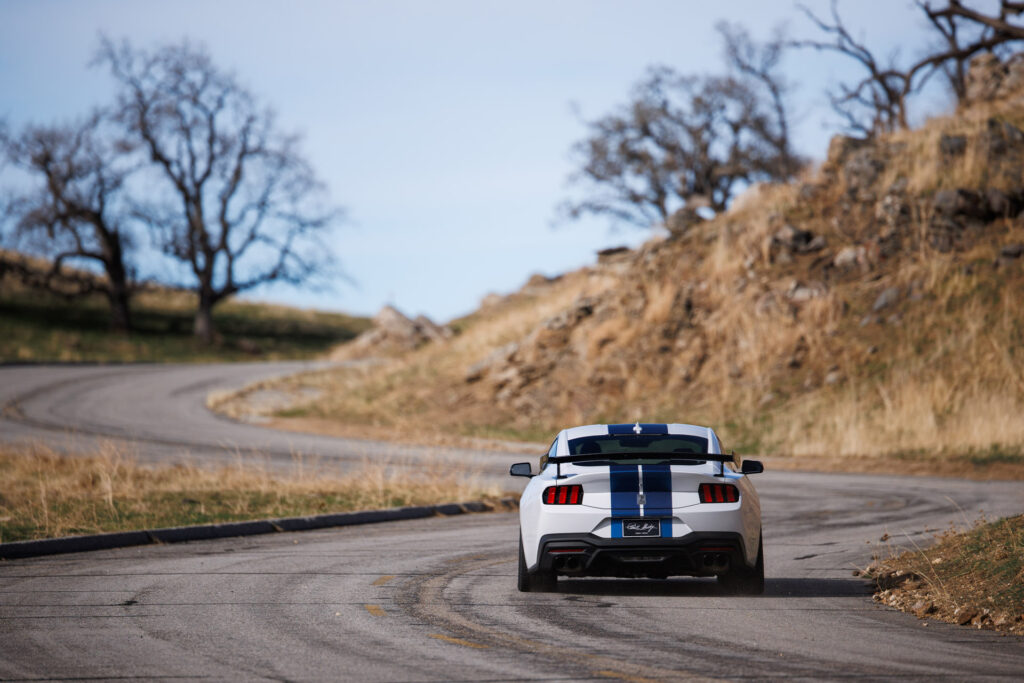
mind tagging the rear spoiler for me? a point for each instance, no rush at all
(643, 455)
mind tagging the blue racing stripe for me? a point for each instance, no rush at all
(625, 485)
(645, 428)
(657, 490)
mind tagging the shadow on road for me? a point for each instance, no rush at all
(696, 588)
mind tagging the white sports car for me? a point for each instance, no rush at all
(640, 500)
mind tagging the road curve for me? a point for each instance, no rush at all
(159, 412)
(435, 599)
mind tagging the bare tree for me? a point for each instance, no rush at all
(759, 64)
(966, 32)
(878, 102)
(72, 210)
(239, 205)
(681, 141)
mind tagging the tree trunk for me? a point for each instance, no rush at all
(118, 292)
(203, 328)
(120, 313)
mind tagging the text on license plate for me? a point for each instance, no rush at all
(641, 527)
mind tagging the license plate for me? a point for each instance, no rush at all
(641, 527)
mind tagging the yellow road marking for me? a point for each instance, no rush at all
(375, 610)
(457, 641)
(624, 677)
(382, 580)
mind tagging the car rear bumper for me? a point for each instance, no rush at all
(696, 554)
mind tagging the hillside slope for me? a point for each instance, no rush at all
(873, 309)
(37, 326)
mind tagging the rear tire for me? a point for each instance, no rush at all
(746, 580)
(534, 582)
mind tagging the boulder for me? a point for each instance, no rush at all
(1012, 251)
(616, 260)
(960, 202)
(680, 222)
(394, 332)
(799, 292)
(1001, 137)
(893, 210)
(798, 240)
(580, 309)
(861, 171)
(539, 283)
(848, 257)
(612, 254)
(1000, 204)
(501, 356)
(953, 145)
(431, 330)
(887, 298)
(390, 318)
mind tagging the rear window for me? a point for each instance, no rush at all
(639, 443)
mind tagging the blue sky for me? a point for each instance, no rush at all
(443, 127)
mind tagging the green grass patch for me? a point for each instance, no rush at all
(38, 327)
(995, 453)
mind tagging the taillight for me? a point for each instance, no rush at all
(718, 493)
(563, 495)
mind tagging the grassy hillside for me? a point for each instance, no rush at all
(41, 327)
(871, 313)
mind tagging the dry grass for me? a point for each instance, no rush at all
(783, 353)
(416, 394)
(918, 157)
(946, 379)
(969, 577)
(45, 494)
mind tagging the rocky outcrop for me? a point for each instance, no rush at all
(680, 222)
(763, 300)
(393, 332)
(512, 367)
(798, 240)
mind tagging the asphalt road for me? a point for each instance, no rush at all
(157, 412)
(435, 599)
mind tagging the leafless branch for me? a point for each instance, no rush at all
(246, 199)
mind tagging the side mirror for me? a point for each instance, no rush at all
(751, 467)
(521, 469)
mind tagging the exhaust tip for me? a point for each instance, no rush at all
(715, 562)
(568, 564)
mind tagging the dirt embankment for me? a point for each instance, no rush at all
(973, 577)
